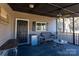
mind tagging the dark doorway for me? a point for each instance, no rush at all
(22, 31)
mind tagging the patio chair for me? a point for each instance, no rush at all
(46, 36)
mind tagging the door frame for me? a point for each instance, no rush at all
(16, 29)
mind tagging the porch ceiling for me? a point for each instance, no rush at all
(46, 9)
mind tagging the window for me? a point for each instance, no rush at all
(68, 24)
(3, 13)
(41, 26)
(65, 24)
(76, 30)
(60, 24)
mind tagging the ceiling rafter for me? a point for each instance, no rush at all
(65, 9)
(59, 8)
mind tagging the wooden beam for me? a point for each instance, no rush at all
(59, 8)
(73, 32)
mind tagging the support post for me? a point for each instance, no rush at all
(63, 25)
(73, 32)
(56, 29)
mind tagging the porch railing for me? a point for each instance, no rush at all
(77, 38)
(68, 37)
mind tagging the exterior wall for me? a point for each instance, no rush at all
(52, 25)
(6, 29)
(32, 17)
(38, 18)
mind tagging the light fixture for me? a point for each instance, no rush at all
(31, 5)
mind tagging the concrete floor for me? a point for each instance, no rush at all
(47, 49)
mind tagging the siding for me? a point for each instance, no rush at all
(6, 30)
